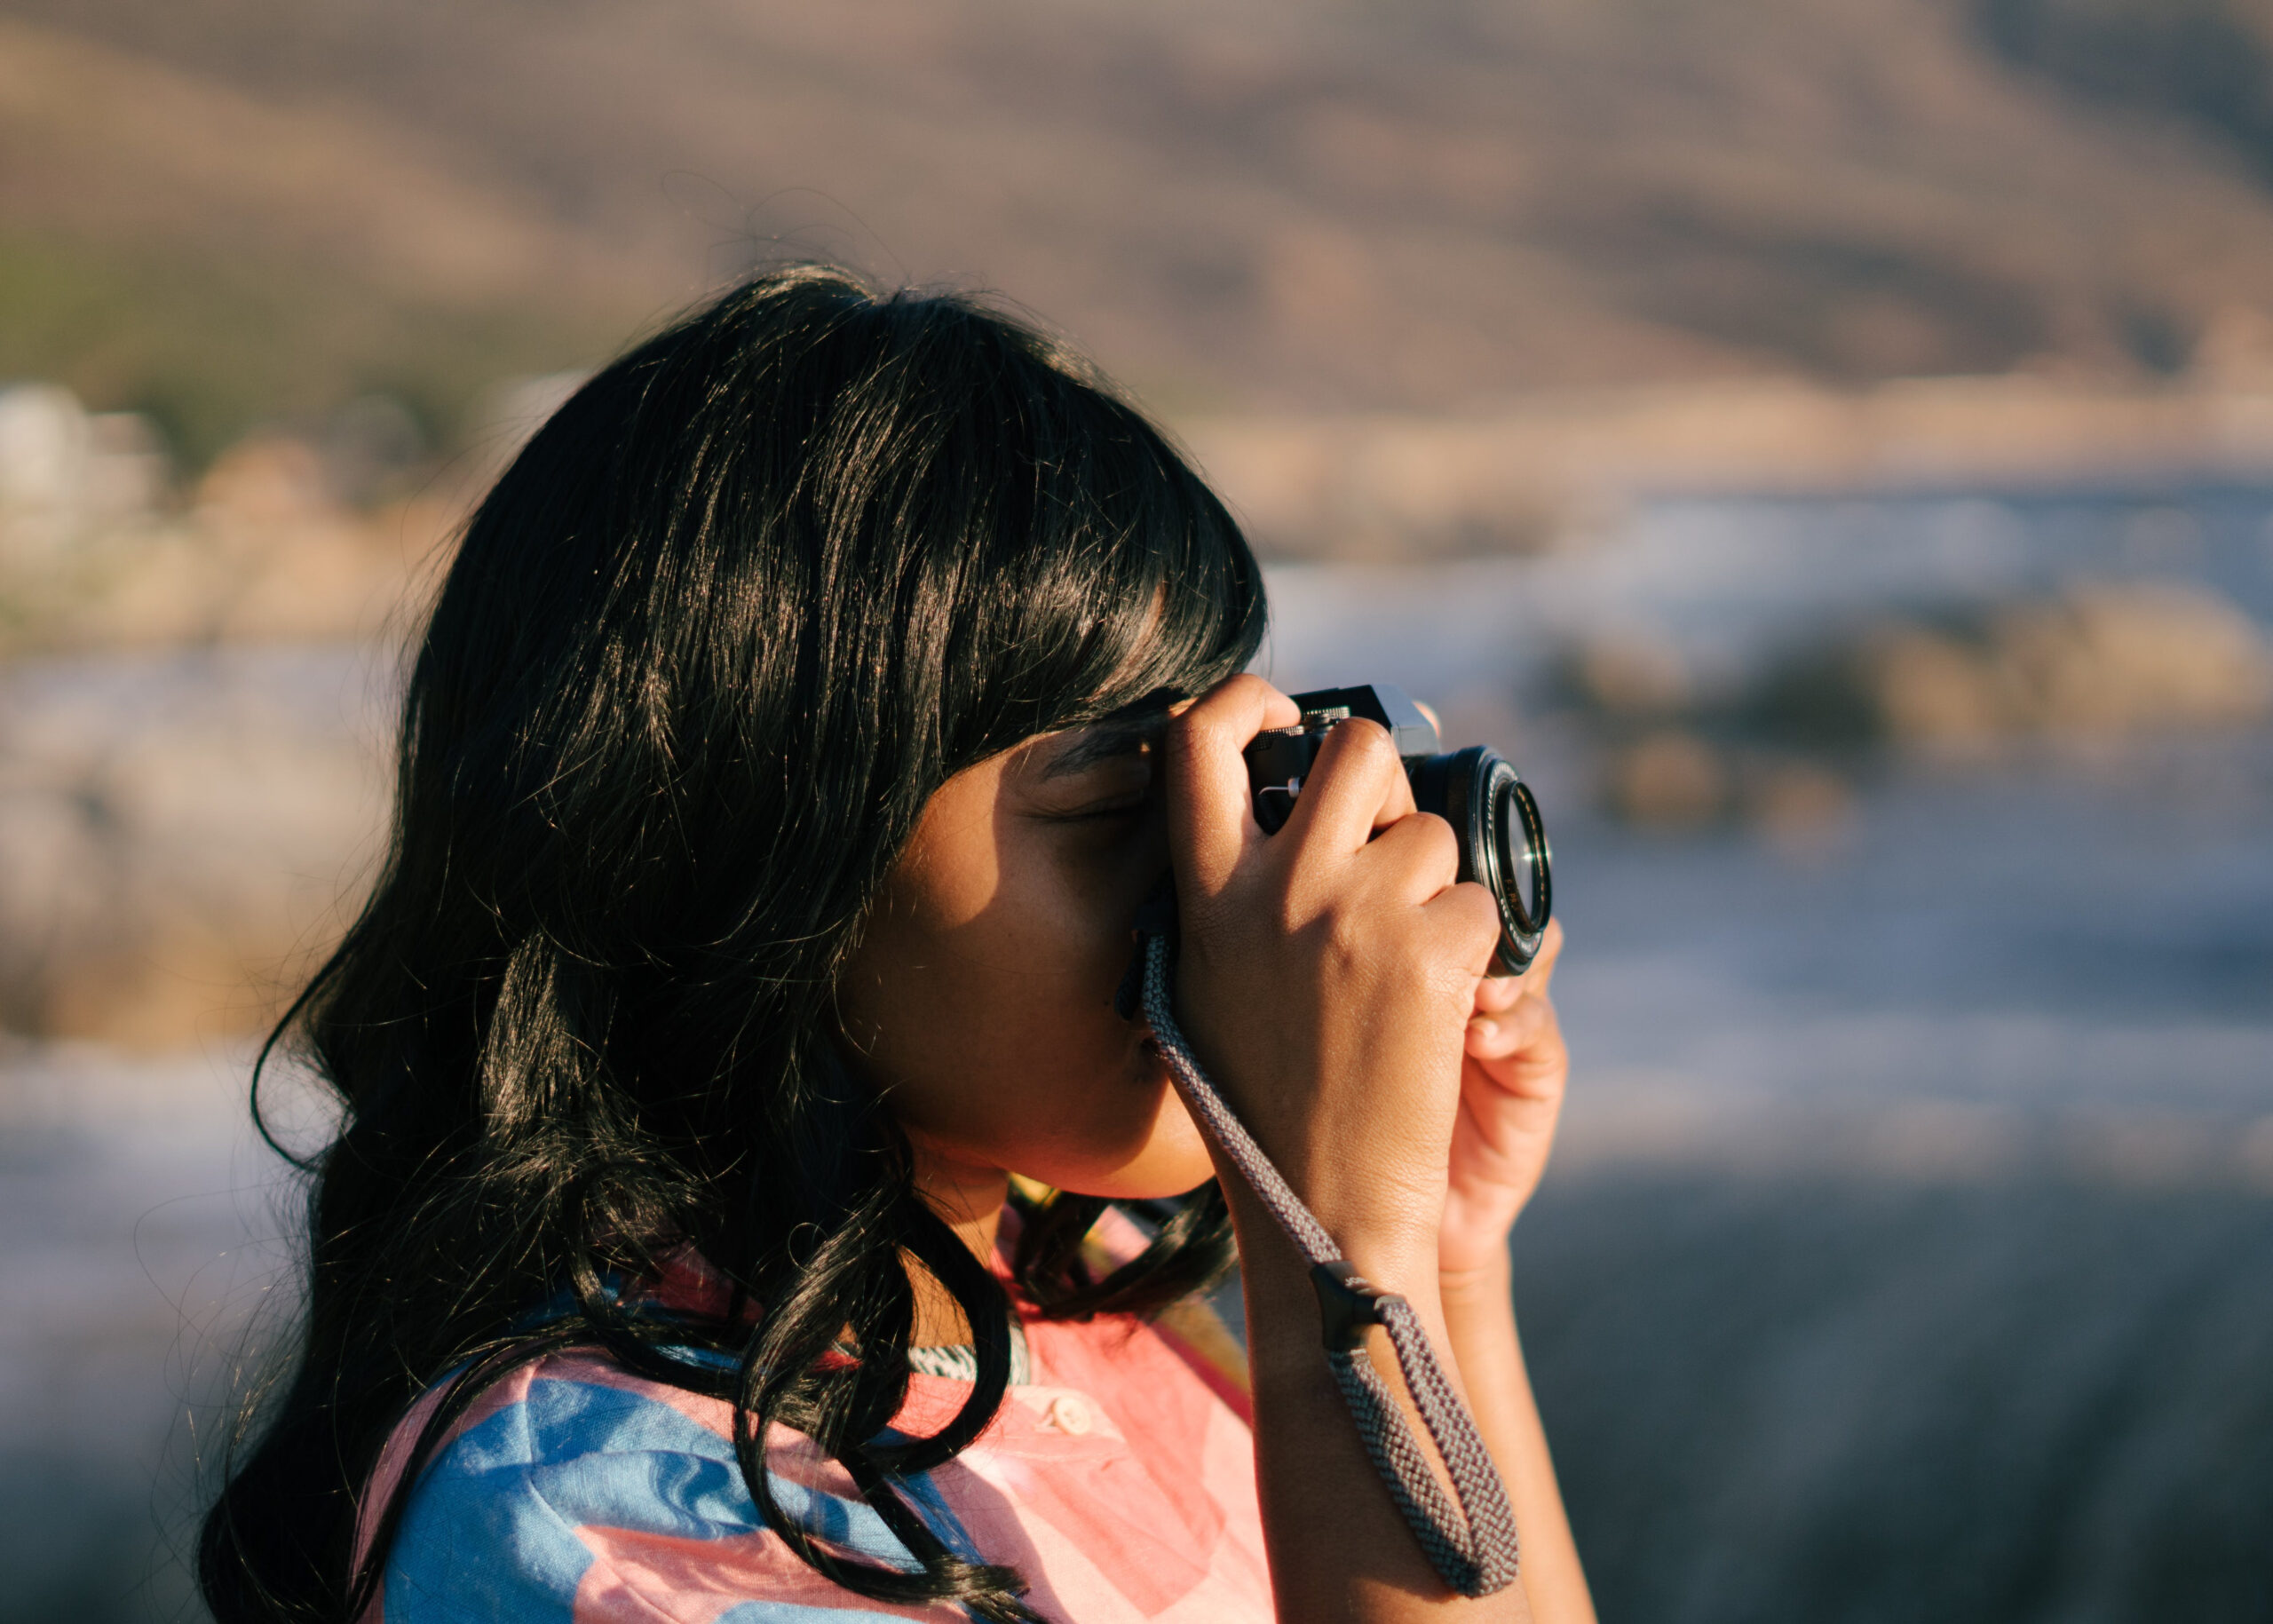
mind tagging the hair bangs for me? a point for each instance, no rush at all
(1127, 582)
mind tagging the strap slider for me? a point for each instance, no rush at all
(1347, 1302)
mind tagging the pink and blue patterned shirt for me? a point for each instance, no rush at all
(1119, 1478)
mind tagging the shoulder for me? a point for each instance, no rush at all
(573, 1491)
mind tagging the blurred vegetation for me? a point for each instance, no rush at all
(227, 209)
(211, 346)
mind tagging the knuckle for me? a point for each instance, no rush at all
(1347, 932)
(1434, 836)
(1364, 740)
(1245, 694)
(1479, 910)
(1192, 733)
(1212, 721)
(1426, 848)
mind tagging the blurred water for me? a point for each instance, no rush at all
(1727, 578)
(1897, 1401)
(2059, 955)
(1900, 1167)
(142, 1234)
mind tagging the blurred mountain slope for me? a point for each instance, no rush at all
(1264, 203)
(168, 241)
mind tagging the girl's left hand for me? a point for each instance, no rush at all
(1512, 1077)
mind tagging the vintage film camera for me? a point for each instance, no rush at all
(1502, 843)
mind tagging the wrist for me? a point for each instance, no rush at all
(1286, 1319)
(1487, 1283)
(1478, 1224)
(1393, 1247)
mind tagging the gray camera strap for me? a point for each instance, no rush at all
(1470, 1543)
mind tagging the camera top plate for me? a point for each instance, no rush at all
(1384, 702)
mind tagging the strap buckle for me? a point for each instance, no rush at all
(1348, 1303)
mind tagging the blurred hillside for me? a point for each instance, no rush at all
(227, 211)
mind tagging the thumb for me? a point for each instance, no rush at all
(1210, 820)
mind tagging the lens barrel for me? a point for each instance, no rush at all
(1502, 841)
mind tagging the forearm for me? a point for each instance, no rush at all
(1339, 1548)
(1478, 1307)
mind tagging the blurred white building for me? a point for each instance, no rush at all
(68, 474)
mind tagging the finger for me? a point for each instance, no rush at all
(1420, 854)
(1494, 993)
(1355, 786)
(1495, 1037)
(1538, 1069)
(1210, 817)
(1541, 972)
(1467, 911)
(1399, 804)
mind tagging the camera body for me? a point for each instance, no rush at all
(1503, 841)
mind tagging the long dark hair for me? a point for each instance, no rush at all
(705, 651)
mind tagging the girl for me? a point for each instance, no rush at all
(748, 1204)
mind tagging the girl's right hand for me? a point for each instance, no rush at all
(1327, 973)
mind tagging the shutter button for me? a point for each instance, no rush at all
(1070, 1416)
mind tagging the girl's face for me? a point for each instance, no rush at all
(981, 995)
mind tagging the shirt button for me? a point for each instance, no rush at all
(1070, 1415)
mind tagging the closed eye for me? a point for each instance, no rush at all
(1128, 806)
(1122, 800)
(1096, 776)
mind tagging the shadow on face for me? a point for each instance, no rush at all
(980, 998)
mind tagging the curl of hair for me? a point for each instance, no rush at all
(706, 649)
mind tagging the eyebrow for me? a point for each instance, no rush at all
(1113, 740)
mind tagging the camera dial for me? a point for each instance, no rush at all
(1502, 841)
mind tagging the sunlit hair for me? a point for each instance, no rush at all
(733, 614)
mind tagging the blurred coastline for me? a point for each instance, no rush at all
(1952, 569)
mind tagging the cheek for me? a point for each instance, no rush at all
(981, 995)
(1027, 1043)
(983, 1001)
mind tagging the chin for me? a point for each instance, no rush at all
(1139, 1189)
(1147, 1155)
(1173, 1161)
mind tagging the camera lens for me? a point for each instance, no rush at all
(1522, 842)
(1502, 841)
